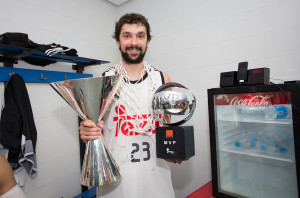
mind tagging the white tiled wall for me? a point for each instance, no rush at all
(194, 40)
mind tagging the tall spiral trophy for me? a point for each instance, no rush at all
(90, 98)
(173, 105)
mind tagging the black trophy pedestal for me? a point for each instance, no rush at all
(175, 142)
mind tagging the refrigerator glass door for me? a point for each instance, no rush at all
(255, 145)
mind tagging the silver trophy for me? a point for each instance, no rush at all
(173, 105)
(90, 98)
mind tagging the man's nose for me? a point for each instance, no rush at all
(133, 41)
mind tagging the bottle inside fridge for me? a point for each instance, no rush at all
(266, 112)
(263, 133)
(246, 142)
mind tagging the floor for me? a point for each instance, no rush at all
(203, 192)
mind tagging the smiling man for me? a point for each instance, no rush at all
(129, 128)
(136, 43)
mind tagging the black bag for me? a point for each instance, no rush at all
(19, 39)
(16, 39)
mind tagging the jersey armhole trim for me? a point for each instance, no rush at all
(162, 77)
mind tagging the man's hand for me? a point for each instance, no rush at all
(89, 131)
(175, 161)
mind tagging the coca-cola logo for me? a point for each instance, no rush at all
(259, 98)
(255, 100)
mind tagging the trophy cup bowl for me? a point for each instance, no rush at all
(90, 98)
(173, 105)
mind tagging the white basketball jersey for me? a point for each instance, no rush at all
(15, 192)
(129, 131)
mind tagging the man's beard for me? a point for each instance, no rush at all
(126, 57)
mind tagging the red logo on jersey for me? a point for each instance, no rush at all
(125, 124)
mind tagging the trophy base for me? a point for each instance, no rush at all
(175, 142)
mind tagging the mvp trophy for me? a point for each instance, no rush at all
(90, 98)
(173, 105)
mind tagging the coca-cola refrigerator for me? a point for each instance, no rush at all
(254, 138)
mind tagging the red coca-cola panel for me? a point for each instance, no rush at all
(264, 98)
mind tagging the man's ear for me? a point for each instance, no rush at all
(118, 43)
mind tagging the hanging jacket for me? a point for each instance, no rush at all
(17, 128)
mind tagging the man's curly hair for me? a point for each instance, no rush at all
(131, 18)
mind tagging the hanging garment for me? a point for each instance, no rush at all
(17, 128)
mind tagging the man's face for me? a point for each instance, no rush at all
(133, 43)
